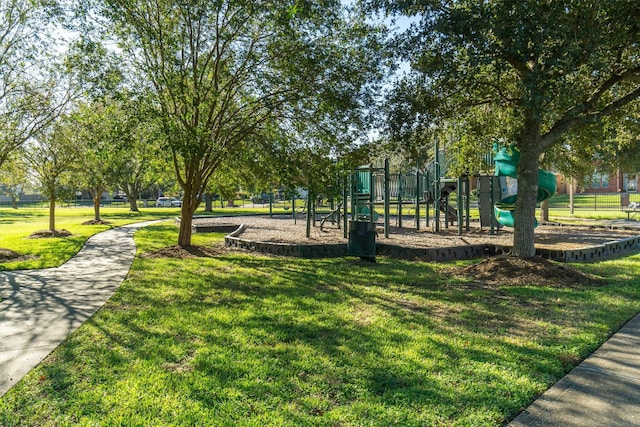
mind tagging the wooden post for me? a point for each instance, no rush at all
(417, 200)
(571, 182)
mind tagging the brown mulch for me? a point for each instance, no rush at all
(188, 252)
(282, 229)
(45, 234)
(96, 222)
(7, 255)
(510, 270)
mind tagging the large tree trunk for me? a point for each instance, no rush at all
(190, 203)
(131, 190)
(133, 197)
(208, 202)
(133, 205)
(184, 236)
(544, 210)
(96, 205)
(525, 209)
(52, 214)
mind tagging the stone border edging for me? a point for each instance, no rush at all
(335, 250)
(287, 249)
(606, 250)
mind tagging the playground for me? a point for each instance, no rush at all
(412, 214)
(284, 230)
(427, 207)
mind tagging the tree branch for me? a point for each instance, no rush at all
(565, 123)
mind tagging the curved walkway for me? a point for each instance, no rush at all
(42, 307)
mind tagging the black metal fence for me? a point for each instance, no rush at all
(596, 201)
(581, 201)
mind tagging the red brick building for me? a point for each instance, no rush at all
(604, 183)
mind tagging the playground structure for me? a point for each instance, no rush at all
(424, 195)
(370, 187)
(433, 187)
(428, 194)
(371, 193)
(408, 195)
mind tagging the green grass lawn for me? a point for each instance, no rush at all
(17, 224)
(591, 201)
(243, 339)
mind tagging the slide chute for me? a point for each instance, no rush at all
(506, 163)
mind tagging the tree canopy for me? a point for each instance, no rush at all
(50, 158)
(225, 72)
(31, 90)
(528, 73)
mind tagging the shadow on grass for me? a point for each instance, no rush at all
(260, 339)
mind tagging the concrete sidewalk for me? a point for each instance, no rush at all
(604, 390)
(42, 307)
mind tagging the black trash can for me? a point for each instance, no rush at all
(362, 240)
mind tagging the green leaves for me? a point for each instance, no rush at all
(31, 95)
(529, 72)
(226, 74)
(559, 64)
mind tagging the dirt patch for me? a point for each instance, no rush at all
(45, 234)
(509, 270)
(189, 252)
(7, 255)
(96, 222)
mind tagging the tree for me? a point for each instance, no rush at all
(131, 128)
(137, 164)
(224, 71)
(99, 132)
(625, 137)
(540, 70)
(31, 94)
(50, 159)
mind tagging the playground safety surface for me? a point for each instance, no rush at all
(284, 230)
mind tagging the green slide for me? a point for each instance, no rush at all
(506, 161)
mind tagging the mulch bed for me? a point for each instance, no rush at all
(96, 222)
(45, 234)
(510, 270)
(189, 252)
